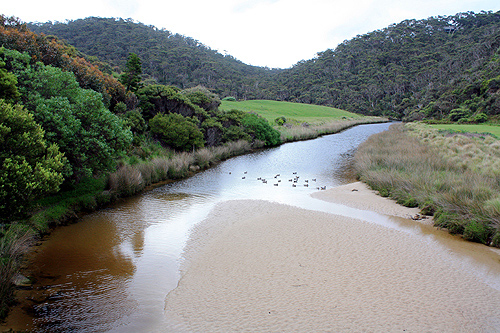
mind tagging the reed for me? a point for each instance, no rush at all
(14, 242)
(129, 179)
(415, 169)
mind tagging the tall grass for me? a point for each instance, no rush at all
(306, 132)
(399, 163)
(14, 242)
(131, 179)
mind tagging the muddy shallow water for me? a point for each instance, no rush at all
(113, 270)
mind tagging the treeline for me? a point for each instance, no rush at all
(444, 67)
(167, 58)
(63, 120)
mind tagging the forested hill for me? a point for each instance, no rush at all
(415, 69)
(167, 58)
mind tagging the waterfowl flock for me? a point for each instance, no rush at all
(295, 180)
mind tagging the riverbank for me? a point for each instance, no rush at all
(95, 194)
(453, 177)
(262, 266)
(361, 196)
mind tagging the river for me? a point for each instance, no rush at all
(113, 269)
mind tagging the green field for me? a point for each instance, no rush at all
(300, 112)
(495, 130)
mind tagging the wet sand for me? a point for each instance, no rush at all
(268, 267)
(359, 195)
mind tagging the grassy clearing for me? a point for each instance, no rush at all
(418, 166)
(302, 121)
(469, 128)
(271, 110)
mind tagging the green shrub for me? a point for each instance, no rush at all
(120, 108)
(176, 131)
(477, 232)
(202, 97)
(76, 119)
(280, 121)
(261, 130)
(135, 121)
(457, 114)
(480, 118)
(229, 98)
(29, 166)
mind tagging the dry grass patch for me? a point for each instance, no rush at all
(131, 179)
(417, 168)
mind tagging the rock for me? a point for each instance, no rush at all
(21, 281)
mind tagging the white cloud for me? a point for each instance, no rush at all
(273, 33)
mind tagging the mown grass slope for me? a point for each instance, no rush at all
(271, 110)
(470, 128)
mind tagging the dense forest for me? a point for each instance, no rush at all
(415, 69)
(167, 58)
(444, 67)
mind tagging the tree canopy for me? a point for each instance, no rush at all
(131, 76)
(75, 118)
(414, 69)
(29, 166)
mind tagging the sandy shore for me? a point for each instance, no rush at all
(266, 267)
(359, 195)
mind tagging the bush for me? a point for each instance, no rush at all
(457, 114)
(480, 118)
(280, 121)
(75, 119)
(477, 232)
(229, 98)
(176, 131)
(135, 121)
(261, 130)
(202, 97)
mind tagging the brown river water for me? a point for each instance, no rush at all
(112, 271)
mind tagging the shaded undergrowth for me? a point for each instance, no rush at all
(441, 175)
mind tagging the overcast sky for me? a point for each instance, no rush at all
(272, 33)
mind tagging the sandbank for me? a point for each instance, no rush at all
(257, 266)
(359, 195)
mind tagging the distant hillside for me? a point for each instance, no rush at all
(414, 69)
(167, 58)
(445, 67)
